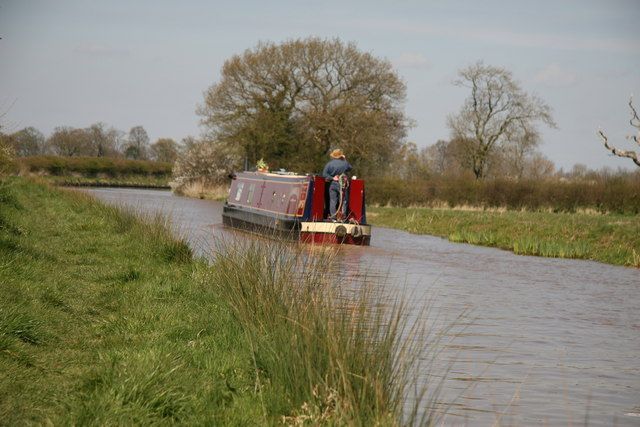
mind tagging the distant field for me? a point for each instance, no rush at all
(609, 238)
(97, 171)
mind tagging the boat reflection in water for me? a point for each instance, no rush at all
(295, 206)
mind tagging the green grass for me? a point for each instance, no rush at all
(609, 238)
(107, 319)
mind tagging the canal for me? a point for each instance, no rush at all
(542, 341)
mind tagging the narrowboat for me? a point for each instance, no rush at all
(294, 206)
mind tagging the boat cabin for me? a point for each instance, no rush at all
(295, 206)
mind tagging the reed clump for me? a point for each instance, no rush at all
(200, 189)
(330, 346)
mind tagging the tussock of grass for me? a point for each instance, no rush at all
(199, 189)
(107, 319)
(610, 238)
(334, 353)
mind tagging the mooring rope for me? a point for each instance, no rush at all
(343, 179)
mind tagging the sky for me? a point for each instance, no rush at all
(129, 63)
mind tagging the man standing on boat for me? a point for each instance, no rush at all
(335, 172)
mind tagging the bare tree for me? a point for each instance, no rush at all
(518, 150)
(138, 144)
(496, 108)
(409, 163)
(290, 103)
(538, 166)
(26, 142)
(67, 141)
(438, 157)
(635, 122)
(103, 139)
(6, 125)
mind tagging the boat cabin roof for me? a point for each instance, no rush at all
(271, 176)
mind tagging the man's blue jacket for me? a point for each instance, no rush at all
(335, 167)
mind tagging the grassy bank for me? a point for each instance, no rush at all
(106, 319)
(610, 238)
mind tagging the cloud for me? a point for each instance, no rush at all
(92, 49)
(556, 76)
(504, 37)
(411, 60)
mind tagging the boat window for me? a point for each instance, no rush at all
(273, 197)
(239, 191)
(284, 196)
(252, 187)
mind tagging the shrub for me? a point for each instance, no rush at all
(620, 194)
(92, 166)
(7, 162)
(205, 162)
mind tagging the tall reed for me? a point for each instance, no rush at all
(330, 345)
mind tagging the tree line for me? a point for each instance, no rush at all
(96, 140)
(291, 103)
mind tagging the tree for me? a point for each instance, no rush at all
(187, 142)
(409, 163)
(519, 151)
(138, 144)
(164, 150)
(291, 103)
(439, 157)
(26, 142)
(538, 166)
(7, 163)
(635, 122)
(207, 162)
(103, 140)
(67, 141)
(496, 109)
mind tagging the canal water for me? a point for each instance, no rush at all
(542, 341)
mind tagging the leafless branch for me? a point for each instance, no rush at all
(634, 115)
(620, 153)
(3, 124)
